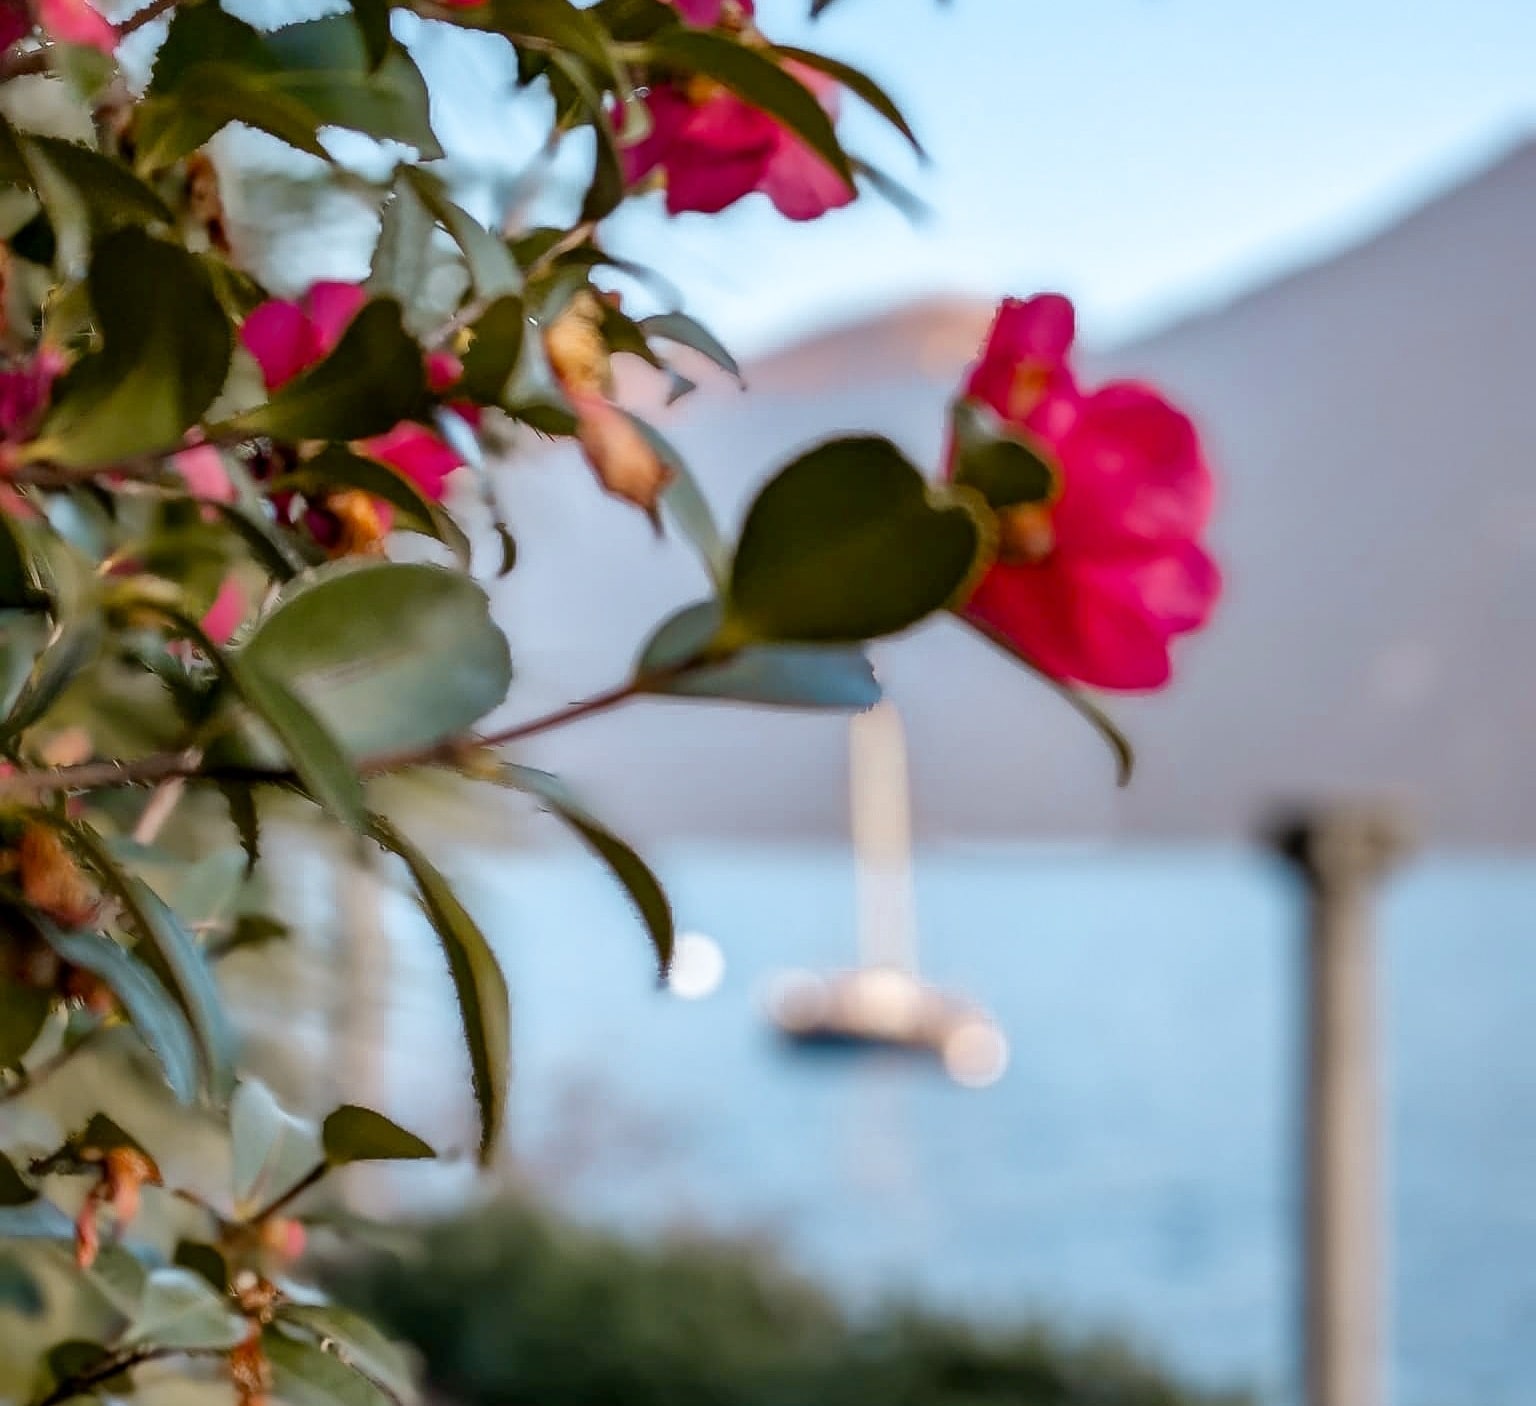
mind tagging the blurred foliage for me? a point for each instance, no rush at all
(514, 1305)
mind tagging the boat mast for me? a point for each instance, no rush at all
(880, 810)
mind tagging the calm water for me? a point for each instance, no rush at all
(1134, 1170)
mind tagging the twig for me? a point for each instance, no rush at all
(147, 15)
(114, 1366)
(163, 767)
(309, 1179)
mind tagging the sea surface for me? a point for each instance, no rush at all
(1135, 1170)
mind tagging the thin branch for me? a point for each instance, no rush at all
(147, 15)
(163, 767)
(114, 1366)
(598, 703)
(278, 1203)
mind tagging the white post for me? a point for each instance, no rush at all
(1342, 854)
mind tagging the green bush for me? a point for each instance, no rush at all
(513, 1305)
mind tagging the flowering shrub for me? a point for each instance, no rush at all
(202, 482)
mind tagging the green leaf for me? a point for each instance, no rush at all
(14, 1191)
(484, 1003)
(326, 65)
(1090, 711)
(76, 1356)
(497, 343)
(304, 1374)
(23, 1013)
(402, 259)
(340, 71)
(148, 1005)
(849, 543)
(680, 328)
(19, 1291)
(354, 1134)
(73, 646)
(210, 97)
(547, 25)
(858, 83)
(756, 79)
(318, 757)
(171, 953)
(391, 656)
(355, 1342)
(678, 663)
(372, 19)
(204, 1260)
(166, 347)
(265, 540)
(273, 1150)
(180, 1310)
(372, 380)
(689, 509)
(628, 868)
(414, 511)
(492, 269)
(18, 577)
(997, 461)
(111, 194)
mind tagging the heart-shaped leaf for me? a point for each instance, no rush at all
(849, 543)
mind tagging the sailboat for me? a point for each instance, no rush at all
(883, 1003)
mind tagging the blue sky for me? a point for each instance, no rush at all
(1142, 155)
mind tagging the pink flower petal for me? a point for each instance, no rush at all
(331, 307)
(226, 613)
(281, 338)
(415, 453)
(76, 22)
(443, 370)
(15, 22)
(202, 469)
(801, 185)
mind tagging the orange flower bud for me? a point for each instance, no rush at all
(51, 879)
(250, 1371)
(282, 1238)
(361, 527)
(577, 352)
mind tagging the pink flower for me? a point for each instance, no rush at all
(289, 337)
(706, 14)
(713, 148)
(1091, 587)
(76, 22)
(25, 388)
(202, 469)
(15, 22)
(225, 615)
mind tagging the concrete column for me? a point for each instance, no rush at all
(1342, 854)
